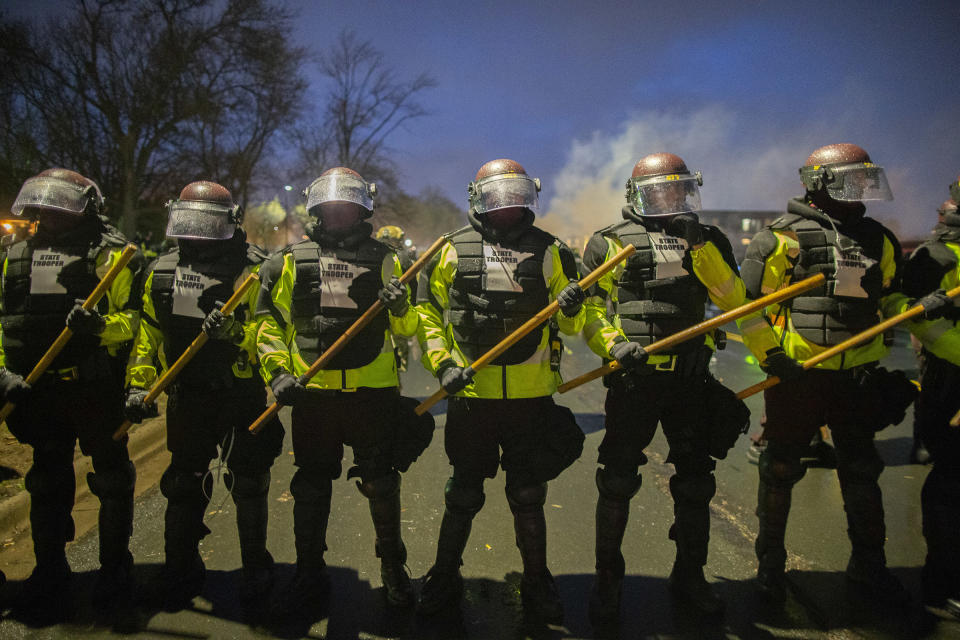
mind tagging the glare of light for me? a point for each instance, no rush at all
(408, 242)
(7, 226)
(744, 241)
(276, 228)
(287, 187)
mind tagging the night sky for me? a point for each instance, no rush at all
(578, 91)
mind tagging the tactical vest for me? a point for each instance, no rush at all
(40, 287)
(183, 292)
(848, 301)
(658, 295)
(944, 256)
(334, 287)
(495, 290)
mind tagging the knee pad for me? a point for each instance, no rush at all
(862, 469)
(252, 486)
(381, 487)
(529, 497)
(47, 484)
(699, 487)
(181, 485)
(463, 498)
(113, 483)
(617, 486)
(778, 471)
(310, 486)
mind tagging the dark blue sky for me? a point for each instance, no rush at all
(578, 91)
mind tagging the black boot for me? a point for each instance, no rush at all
(443, 587)
(182, 577)
(307, 593)
(941, 528)
(863, 502)
(384, 496)
(541, 600)
(46, 593)
(613, 512)
(114, 487)
(691, 531)
(773, 509)
(250, 497)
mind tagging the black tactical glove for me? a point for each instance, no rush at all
(220, 327)
(781, 365)
(13, 388)
(85, 321)
(136, 409)
(630, 355)
(453, 378)
(571, 299)
(686, 226)
(935, 305)
(394, 297)
(287, 388)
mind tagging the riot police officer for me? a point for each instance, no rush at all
(81, 394)
(312, 292)
(660, 290)
(215, 397)
(826, 231)
(490, 278)
(933, 267)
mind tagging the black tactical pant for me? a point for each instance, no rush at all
(795, 411)
(635, 405)
(198, 420)
(940, 499)
(53, 417)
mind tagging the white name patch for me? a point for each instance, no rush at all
(500, 268)
(336, 276)
(851, 267)
(45, 270)
(668, 252)
(188, 285)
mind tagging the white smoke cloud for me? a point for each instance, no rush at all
(741, 169)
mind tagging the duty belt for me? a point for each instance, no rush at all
(70, 374)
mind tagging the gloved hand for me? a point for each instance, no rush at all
(686, 226)
(287, 388)
(13, 388)
(85, 321)
(630, 355)
(221, 327)
(394, 297)
(136, 409)
(781, 365)
(453, 378)
(935, 305)
(571, 299)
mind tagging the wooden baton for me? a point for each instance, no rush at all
(158, 387)
(529, 326)
(351, 332)
(65, 335)
(852, 341)
(703, 327)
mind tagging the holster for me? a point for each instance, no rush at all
(885, 395)
(414, 434)
(729, 417)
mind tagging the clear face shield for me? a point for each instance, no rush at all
(56, 195)
(340, 187)
(195, 220)
(504, 191)
(665, 195)
(858, 182)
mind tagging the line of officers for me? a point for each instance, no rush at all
(489, 278)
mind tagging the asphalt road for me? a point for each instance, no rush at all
(820, 605)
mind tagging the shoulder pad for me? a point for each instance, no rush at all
(785, 221)
(461, 231)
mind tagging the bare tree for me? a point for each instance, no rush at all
(367, 103)
(144, 95)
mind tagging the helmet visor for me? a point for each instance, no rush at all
(200, 220)
(501, 192)
(339, 187)
(858, 182)
(54, 194)
(666, 195)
